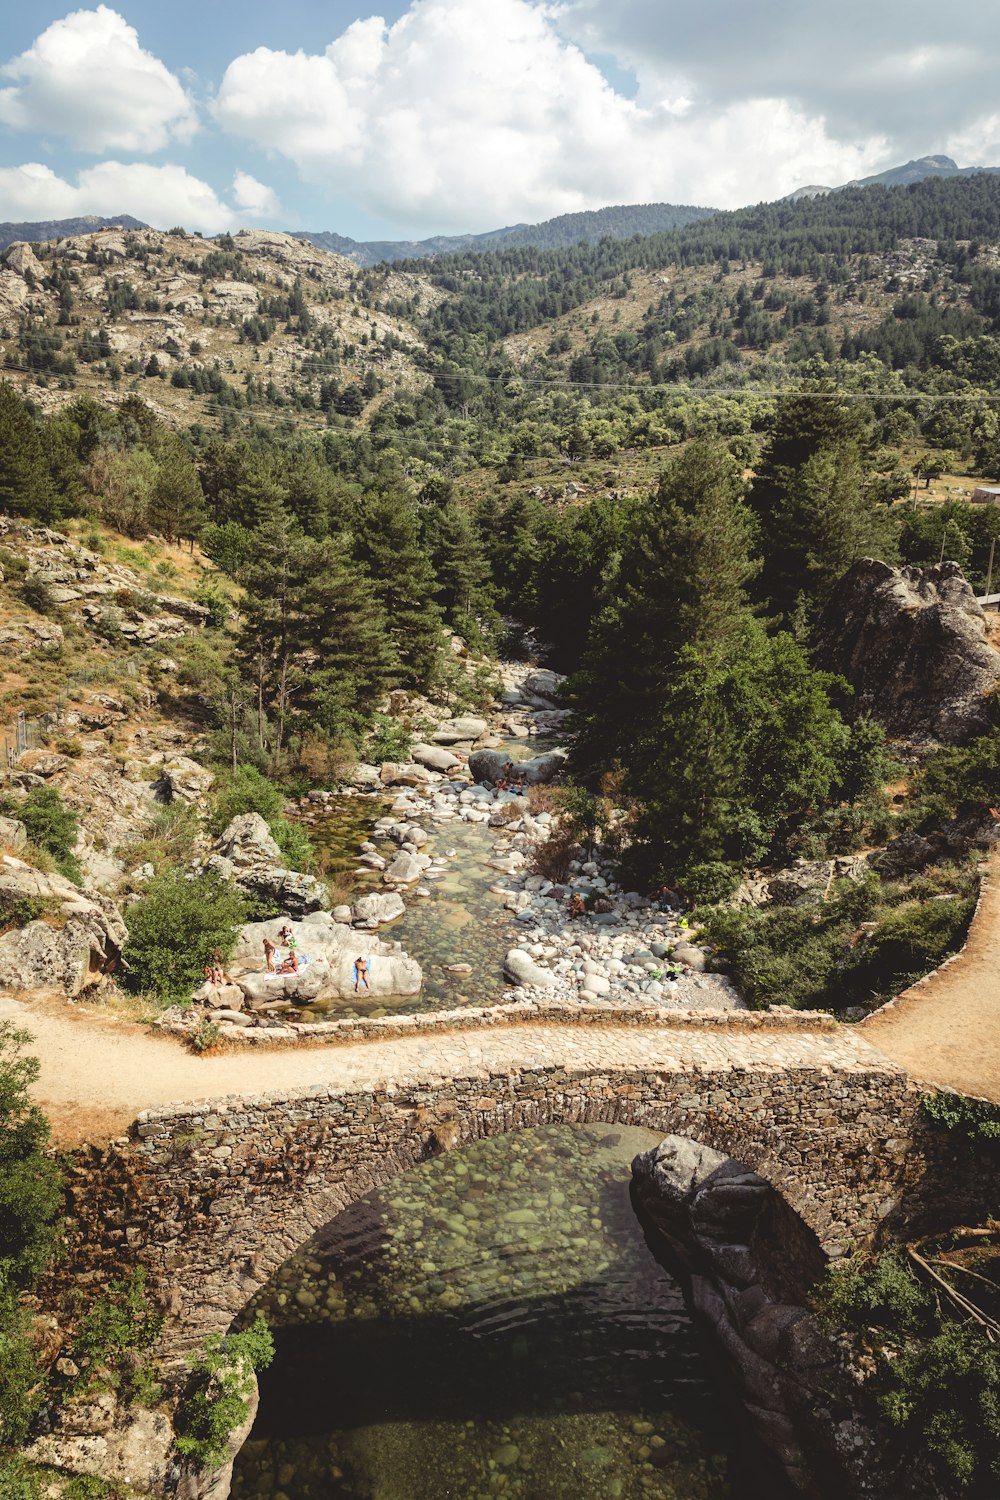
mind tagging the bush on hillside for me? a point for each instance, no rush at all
(817, 955)
(30, 1194)
(247, 790)
(934, 1380)
(173, 929)
(218, 1399)
(51, 825)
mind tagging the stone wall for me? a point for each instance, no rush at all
(213, 1198)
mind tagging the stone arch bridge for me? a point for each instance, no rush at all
(213, 1196)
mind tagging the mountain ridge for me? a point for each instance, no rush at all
(917, 170)
(33, 231)
(618, 221)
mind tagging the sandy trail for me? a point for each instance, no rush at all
(98, 1075)
(945, 1030)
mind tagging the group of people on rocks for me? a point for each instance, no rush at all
(288, 965)
(215, 969)
(511, 779)
(292, 963)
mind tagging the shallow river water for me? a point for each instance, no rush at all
(490, 1325)
(459, 922)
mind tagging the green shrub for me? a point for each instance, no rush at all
(216, 602)
(21, 1480)
(18, 911)
(115, 1329)
(37, 595)
(174, 927)
(972, 1120)
(815, 955)
(217, 1401)
(30, 1196)
(935, 1380)
(50, 823)
(247, 790)
(168, 839)
(386, 740)
(207, 1036)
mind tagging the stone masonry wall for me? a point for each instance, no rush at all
(213, 1198)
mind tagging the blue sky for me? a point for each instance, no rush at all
(390, 120)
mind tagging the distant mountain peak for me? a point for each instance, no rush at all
(917, 170)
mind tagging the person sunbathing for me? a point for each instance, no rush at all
(289, 965)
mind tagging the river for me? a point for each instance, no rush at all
(492, 1324)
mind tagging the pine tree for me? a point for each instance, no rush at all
(814, 501)
(314, 642)
(682, 584)
(402, 580)
(176, 504)
(26, 487)
(456, 555)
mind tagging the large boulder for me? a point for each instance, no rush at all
(71, 945)
(488, 765)
(406, 868)
(520, 968)
(912, 643)
(248, 855)
(453, 731)
(544, 684)
(377, 908)
(183, 780)
(248, 840)
(365, 778)
(331, 949)
(434, 757)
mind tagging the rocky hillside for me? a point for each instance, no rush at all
(207, 329)
(61, 229)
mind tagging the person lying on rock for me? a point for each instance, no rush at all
(287, 936)
(269, 955)
(361, 974)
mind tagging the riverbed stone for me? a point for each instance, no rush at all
(521, 969)
(375, 909)
(434, 757)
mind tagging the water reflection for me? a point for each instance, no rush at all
(490, 1325)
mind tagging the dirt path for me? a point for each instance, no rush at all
(945, 1030)
(98, 1075)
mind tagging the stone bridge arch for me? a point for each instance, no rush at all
(214, 1197)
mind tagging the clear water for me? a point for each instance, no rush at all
(459, 922)
(491, 1325)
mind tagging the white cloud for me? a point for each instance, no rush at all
(162, 196)
(255, 198)
(87, 79)
(470, 113)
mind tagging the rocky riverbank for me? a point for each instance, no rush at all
(621, 949)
